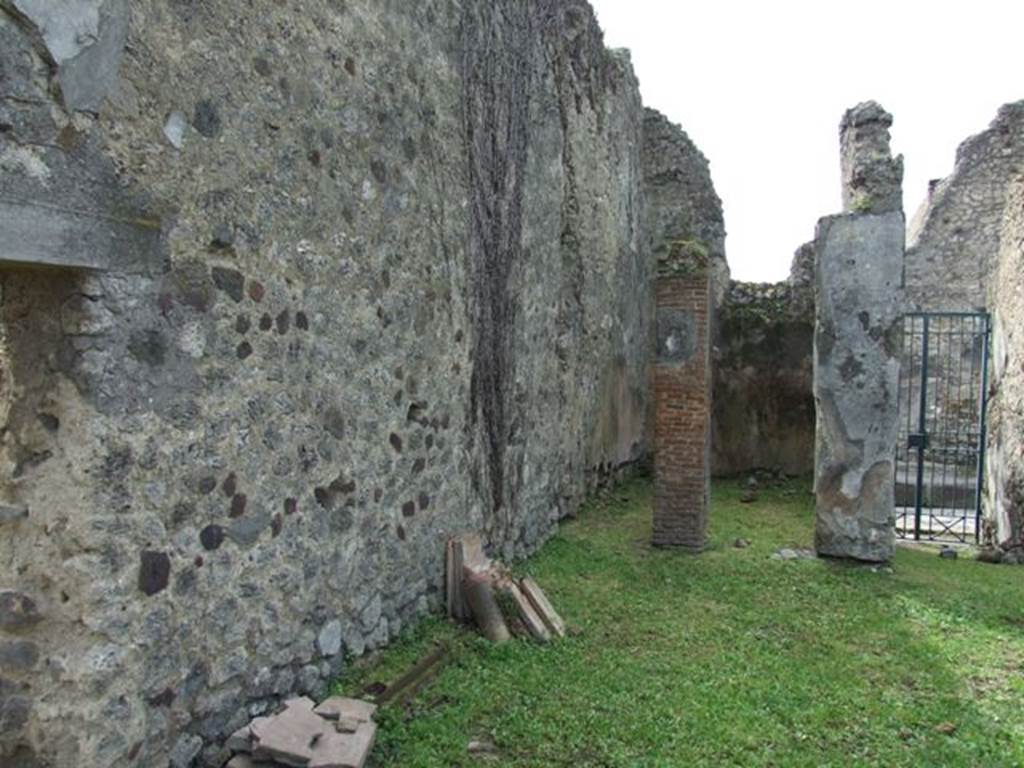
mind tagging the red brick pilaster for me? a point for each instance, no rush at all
(682, 415)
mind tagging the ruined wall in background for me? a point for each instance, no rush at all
(683, 213)
(378, 276)
(954, 239)
(1004, 488)
(763, 375)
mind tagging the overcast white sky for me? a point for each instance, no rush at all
(761, 87)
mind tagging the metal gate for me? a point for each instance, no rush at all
(940, 453)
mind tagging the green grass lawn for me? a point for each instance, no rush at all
(729, 658)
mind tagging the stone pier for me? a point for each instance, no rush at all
(682, 394)
(859, 300)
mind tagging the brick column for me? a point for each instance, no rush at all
(682, 403)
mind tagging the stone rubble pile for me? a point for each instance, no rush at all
(336, 734)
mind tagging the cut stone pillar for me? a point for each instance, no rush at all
(682, 395)
(857, 339)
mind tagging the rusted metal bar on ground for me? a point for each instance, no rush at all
(405, 687)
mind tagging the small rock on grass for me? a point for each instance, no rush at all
(741, 544)
(748, 497)
(947, 728)
(787, 553)
(990, 555)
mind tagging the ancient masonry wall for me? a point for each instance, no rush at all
(683, 213)
(763, 415)
(954, 239)
(374, 274)
(682, 405)
(1005, 450)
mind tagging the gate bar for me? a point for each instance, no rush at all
(922, 417)
(983, 437)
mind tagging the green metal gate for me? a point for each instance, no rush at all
(940, 454)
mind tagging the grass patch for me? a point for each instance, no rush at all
(730, 658)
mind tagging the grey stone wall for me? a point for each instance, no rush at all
(763, 375)
(1004, 488)
(954, 239)
(375, 274)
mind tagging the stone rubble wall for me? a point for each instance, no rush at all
(683, 213)
(378, 275)
(954, 238)
(1004, 489)
(763, 375)
(872, 178)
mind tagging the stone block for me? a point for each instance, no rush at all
(185, 750)
(289, 737)
(18, 655)
(17, 610)
(35, 234)
(329, 639)
(12, 513)
(859, 287)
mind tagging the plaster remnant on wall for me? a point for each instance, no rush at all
(85, 40)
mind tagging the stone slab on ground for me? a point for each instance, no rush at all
(345, 750)
(290, 736)
(339, 707)
(339, 733)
